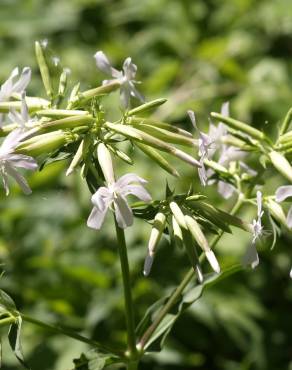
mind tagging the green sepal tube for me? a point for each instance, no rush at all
(44, 70)
(45, 143)
(253, 132)
(167, 136)
(155, 156)
(61, 113)
(281, 164)
(136, 121)
(120, 154)
(97, 91)
(147, 139)
(35, 105)
(147, 106)
(276, 211)
(67, 123)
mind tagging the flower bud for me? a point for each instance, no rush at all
(63, 82)
(79, 155)
(61, 113)
(281, 164)
(106, 164)
(44, 143)
(199, 237)
(154, 155)
(238, 125)
(147, 139)
(155, 236)
(44, 70)
(179, 216)
(177, 233)
(276, 211)
(147, 106)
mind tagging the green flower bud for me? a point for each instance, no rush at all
(44, 70)
(147, 106)
(276, 211)
(238, 125)
(162, 162)
(281, 164)
(61, 113)
(177, 233)
(45, 143)
(79, 155)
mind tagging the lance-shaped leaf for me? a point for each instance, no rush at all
(95, 360)
(15, 342)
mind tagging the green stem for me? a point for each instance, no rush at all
(129, 308)
(71, 334)
(7, 321)
(179, 290)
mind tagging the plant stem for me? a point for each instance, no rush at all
(129, 308)
(186, 280)
(71, 334)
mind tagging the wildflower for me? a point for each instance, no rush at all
(282, 193)
(251, 257)
(205, 142)
(115, 193)
(126, 77)
(9, 161)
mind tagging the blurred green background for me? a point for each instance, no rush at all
(197, 54)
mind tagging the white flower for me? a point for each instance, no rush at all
(9, 161)
(10, 86)
(251, 257)
(205, 142)
(282, 193)
(115, 195)
(126, 77)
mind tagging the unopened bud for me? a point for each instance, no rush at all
(77, 157)
(179, 216)
(147, 106)
(177, 233)
(281, 164)
(106, 164)
(44, 70)
(276, 211)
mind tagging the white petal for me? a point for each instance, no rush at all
(5, 181)
(102, 62)
(283, 192)
(96, 218)
(125, 94)
(102, 198)
(259, 203)
(251, 256)
(138, 191)
(225, 189)
(213, 261)
(148, 264)
(199, 274)
(225, 109)
(289, 218)
(23, 81)
(15, 117)
(23, 161)
(24, 109)
(129, 178)
(123, 212)
(130, 69)
(18, 178)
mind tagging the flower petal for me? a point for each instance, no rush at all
(283, 192)
(135, 93)
(289, 218)
(138, 191)
(23, 81)
(125, 94)
(129, 178)
(148, 264)
(251, 256)
(102, 198)
(23, 161)
(96, 218)
(18, 178)
(123, 212)
(6, 88)
(130, 69)
(104, 65)
(225, 189)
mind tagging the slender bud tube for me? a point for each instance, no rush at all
(44, 70)
(281, 164)
(106, 164)
(155, 236)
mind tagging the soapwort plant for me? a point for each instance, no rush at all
(73, 126)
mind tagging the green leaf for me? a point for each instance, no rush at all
(157, 339)
(6, 303)
(94, 360)
(14, 341)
